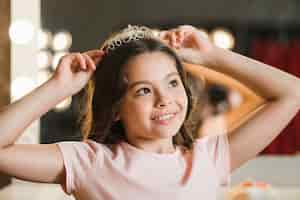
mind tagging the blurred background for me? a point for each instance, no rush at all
(36, 33)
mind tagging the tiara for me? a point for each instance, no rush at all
(130, 33)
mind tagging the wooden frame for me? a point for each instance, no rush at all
(252, 102)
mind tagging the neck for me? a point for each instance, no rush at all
(160, 146)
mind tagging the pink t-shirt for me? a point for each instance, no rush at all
(95, 172)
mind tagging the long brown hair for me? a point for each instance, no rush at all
(103, 93)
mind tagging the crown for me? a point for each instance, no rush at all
(128, 34)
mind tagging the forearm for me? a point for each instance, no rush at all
(268, 81)
(17, 116)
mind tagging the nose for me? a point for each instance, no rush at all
(163, 101)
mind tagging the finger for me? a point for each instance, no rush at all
(165, 41)
(188, 39)
(162, 35)
(95, 53)
(165, 37)
(173, 39)
(97, 57)
(81, 60)
(66, 59)
(181, 35)
(90, 62)
(178, 38)
(69, 59)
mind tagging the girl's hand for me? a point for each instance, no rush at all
(75, 69)
(189, 43)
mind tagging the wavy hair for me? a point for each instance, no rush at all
(104, 91)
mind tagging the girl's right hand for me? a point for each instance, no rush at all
(75, 69)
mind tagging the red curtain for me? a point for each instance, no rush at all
(285, 56)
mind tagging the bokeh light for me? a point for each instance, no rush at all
(21, 31)
(62, 41)
(223, 38)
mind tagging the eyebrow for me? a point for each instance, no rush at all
(148, 82)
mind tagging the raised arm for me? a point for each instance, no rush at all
(280, 89)
(251, 100)
(40, 162)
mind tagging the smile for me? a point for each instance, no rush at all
(164, 119)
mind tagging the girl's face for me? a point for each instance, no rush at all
(155, 104)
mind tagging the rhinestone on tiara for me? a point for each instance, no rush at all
(131, 33)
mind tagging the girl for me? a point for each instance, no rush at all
(136, 116)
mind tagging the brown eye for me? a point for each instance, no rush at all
(174, 83)
(143, 91)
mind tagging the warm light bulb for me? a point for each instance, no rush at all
(21, 31)
(62, 41)
(223, 38)
(44, 59)
(44, 39)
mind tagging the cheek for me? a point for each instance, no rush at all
(182, 97)
(137, 109)
(183, 101)
(135, 116)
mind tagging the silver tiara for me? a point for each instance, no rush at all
(130, 33)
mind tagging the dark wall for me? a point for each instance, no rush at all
(88, 21)
(91, 21)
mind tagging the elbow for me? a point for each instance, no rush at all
(295, 90)
(296, 99)
(292, 94)
(291, 98)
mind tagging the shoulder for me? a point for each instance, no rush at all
(215, 145)
(87, 151)
(81, 146)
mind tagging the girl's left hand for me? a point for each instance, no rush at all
(189, 43)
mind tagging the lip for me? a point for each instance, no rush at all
(162, 114)
(164, 121)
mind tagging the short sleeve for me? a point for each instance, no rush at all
(217, 147)
(79, 158)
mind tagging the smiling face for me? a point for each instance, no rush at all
(155, 103)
